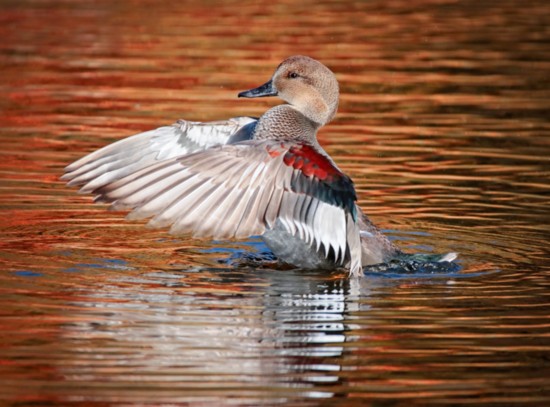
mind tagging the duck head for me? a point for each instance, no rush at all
(304, 83)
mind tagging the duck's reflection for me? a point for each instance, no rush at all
(250, 333)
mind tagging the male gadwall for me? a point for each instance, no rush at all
(247, 176)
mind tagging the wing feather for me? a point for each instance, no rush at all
(216, 213)
(249, 224)
(187, 215)
(102, 170)
(272, 210)
(354, 246)
(300, 225)
(132, 154)
(137, 193)
(238, 190)
(302, 215)
(165, 200)
(184, 213)
(133, 182)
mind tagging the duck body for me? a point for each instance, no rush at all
(246, 176)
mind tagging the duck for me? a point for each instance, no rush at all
(247, 176)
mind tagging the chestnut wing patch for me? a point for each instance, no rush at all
(320, 177)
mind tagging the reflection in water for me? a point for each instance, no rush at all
(443, 126)
(281, 327)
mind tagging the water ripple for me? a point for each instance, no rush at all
(443, 126)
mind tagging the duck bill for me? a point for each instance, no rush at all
(267, 89)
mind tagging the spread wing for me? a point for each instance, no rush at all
(134, 153)
(239, 190)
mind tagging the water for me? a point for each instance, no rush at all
(443, 125)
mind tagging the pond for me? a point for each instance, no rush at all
(443, 125)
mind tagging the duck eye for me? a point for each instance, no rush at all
(293, 75)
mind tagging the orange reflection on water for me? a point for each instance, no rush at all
(442, 125)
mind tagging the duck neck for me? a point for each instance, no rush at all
(315, 107)
(285, 122)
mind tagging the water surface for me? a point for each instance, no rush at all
(443, 125)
